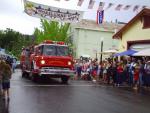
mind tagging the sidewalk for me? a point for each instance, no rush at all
(125, 86)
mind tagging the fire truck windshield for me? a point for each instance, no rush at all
(53, 50)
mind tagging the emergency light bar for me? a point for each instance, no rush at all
(54, 42)
(61, 43)
(48, 41)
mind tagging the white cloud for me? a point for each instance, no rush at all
(23, 25)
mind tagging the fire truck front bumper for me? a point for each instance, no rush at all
(57, 72)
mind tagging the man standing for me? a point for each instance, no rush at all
(1, 66)
(131, 71)
(147, 71)
(0, 80)
(6, 76)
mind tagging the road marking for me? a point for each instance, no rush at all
(90, 85)
(19, 80)
(50, 85)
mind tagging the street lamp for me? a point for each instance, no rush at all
(101, 57)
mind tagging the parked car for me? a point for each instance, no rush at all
(18, 64)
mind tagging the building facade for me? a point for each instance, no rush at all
(136, 33)
(88, 36)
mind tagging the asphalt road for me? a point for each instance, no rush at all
(76, 97)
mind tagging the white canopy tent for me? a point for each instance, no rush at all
(144, 52)
(85, 55)
(111, 51)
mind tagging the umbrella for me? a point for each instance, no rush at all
(144, 52)
(128, 52)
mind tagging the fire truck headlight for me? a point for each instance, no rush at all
(42, 61)
(69, 63)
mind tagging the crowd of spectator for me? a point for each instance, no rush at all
(126, 71)
(9, 60)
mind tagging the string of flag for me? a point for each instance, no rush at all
(117, 7)
(103, 6)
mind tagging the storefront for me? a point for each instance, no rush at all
(135, 34)
(138, 45)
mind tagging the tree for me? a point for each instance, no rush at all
(51, 30)
(55, 31)
(13, 41)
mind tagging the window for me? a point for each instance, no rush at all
(52, 50)
(49, 50)
(62, 51)
(38, 50)
(146, 21)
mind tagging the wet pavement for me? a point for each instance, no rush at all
(76, 97)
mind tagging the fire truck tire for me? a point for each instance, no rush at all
(34, 78)
(64, 79)
(23, 74)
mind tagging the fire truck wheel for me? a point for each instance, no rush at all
(64, 79)
(23, 74)
(34, 78)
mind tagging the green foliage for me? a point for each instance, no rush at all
(51, 30)
(13, 41)
(55, 31)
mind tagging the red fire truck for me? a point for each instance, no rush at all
(48, 59)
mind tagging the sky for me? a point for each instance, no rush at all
(12, 13)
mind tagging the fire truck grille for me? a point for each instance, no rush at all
(59, 68)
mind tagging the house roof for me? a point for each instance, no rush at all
(143, 12)
(92, 25)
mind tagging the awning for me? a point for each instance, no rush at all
(111, 51)
(128, 53)
(145, 52)
(85, 55)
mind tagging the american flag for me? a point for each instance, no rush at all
(127, 7)
(101, 6)
(91, 4)
(100, 16)
(119, 6)
(136, 7)
(109, 6)
(144, 7)
(80, 2)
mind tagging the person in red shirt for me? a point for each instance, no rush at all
(136, 76)
(119, 73)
